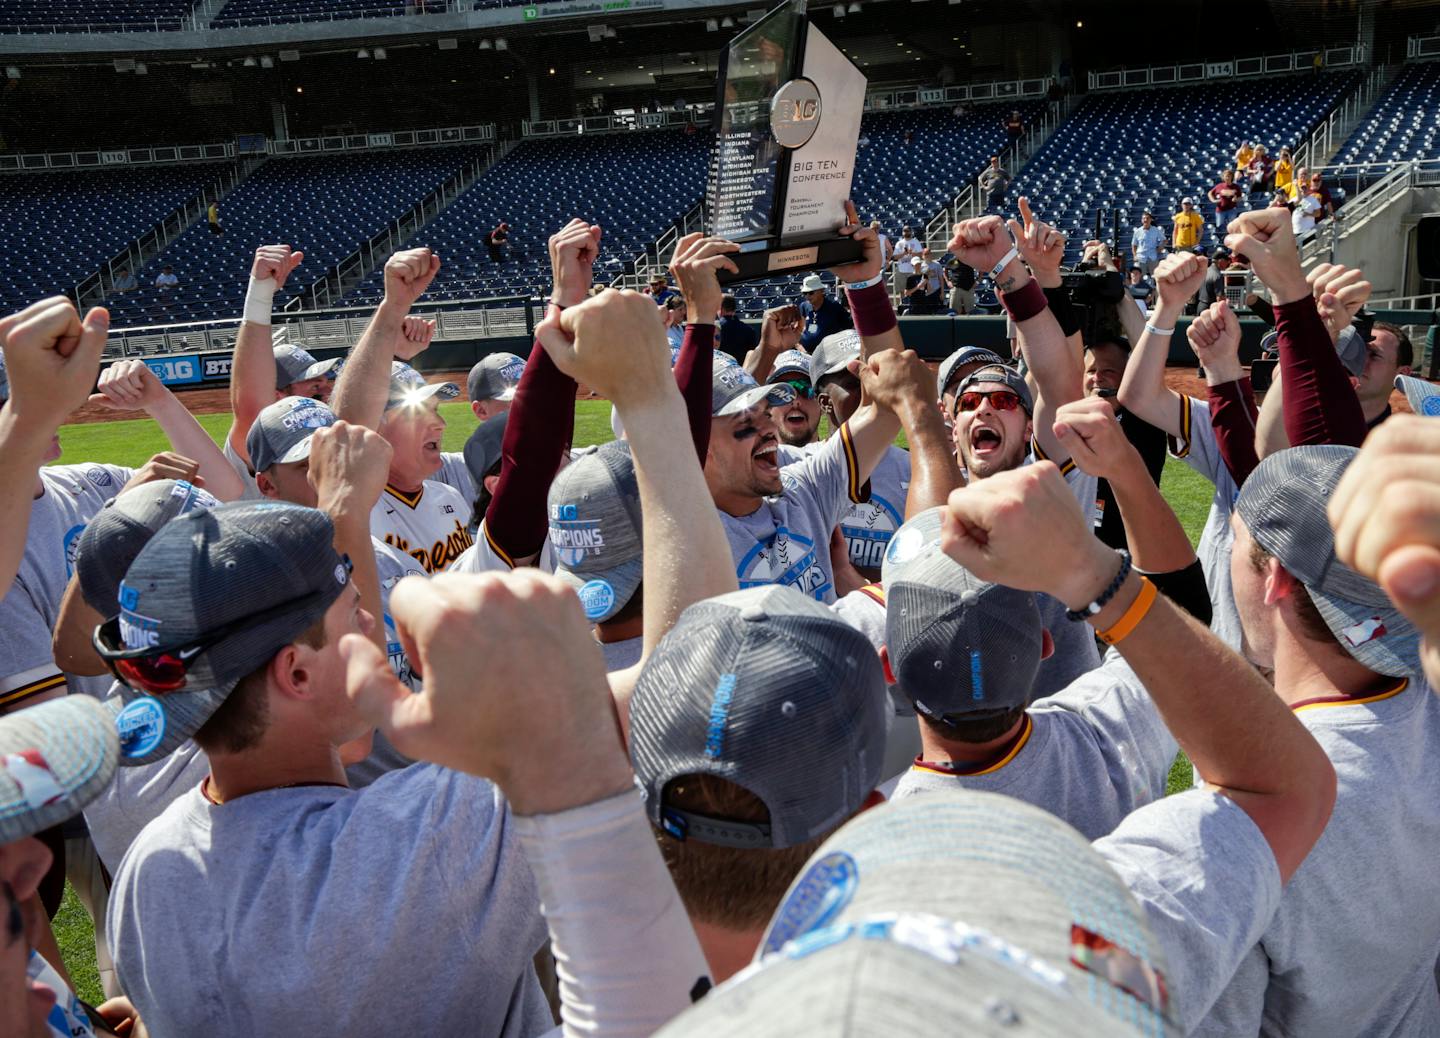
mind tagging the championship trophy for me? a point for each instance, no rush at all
(787, 127)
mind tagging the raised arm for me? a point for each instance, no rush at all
(1025, 530)
(780, 330)
(1215, 337)
(695, 267)
(252, 368)
(865, 288)
(934, 473)
(1143, 391)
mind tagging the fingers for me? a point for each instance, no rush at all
(557, 339)
(852, 218)
(1025, 214)
(370, 684)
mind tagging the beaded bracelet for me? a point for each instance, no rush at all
(1103, 599)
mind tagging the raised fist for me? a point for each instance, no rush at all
(275, 261)
(695, 268)
(51, 358)
(1178, 278)
(573, 252)
(408, 274)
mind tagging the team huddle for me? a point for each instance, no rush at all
(749, 722)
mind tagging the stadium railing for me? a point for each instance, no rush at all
(1237, 68)
(1398, 179)
(1329, 135)
(1417, 47)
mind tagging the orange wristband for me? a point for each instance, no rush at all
(1138, 610)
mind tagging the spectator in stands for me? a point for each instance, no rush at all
(1138, 288)
(1243, 155)
(212, 217)
(125, 282)
(928, 291)
(1014, 126)
(1213, 286)
(659, 289)
(1296, 187)
(674, 320)
(1188, 224)
(962, 285)
(1261, 171)
(995, 181)
(166, 282)
(1306, 213)
(1321, 193)
(733, 336)
(497, 240)
(1280, 200)
(884, 239)
(1146, 244)
(906, 249)
(822, 315)
(1284, 171)
(1227, 196)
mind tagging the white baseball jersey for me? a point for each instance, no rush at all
(485, 556)
(428, 525)
(72, 496)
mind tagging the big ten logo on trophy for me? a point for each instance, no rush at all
(795, 113)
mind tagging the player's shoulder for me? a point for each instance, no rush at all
(87, 477)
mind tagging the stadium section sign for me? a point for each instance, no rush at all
(534, 12)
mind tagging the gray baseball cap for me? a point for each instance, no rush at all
(770, 690)
(212, 597)
(1283, 506)
(55, 757)
(834, 354)
(596, 531)
(483, 447)
(125, 525)
(733, 390)
(961, 357)
(495, 377)
(292, 364)
(790, 364)
(1353, 349)
(1006, 376)
(960, 648)
(281, 432)
(408, 386)
(973, 908)
(1423, 397)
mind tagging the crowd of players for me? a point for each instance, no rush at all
(722, 727)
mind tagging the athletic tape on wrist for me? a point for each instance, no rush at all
(259, 299)
(1025, 302)
(871, 310)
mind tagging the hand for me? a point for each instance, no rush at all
(1339, 294)
(573, 251)
(537, 719)
(1386, 517)
(129, 385)
(1041, 246)
(1088, 429)
(1215, 337)
(414, 338)
(871, 259)
(1177, 279)
(896, 381)
(166, 465)
(695, 268)
(780, 330)
(614, 343)
(1264, 239)
(122, 1017)
(275, 261)
(407, 275)
(1024, 529)
(51, 358)
(348, 468)
(982, 244)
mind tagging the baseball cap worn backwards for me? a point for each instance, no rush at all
(483, 447)
(961, 649)
(769, 690)
(494, 377)
(408, 387)
(55, 758)
(596, 529)
(1283, 505)
(1005, 376)
(733, 390)
(833, 354)
(961, 357)
(292, 364)
(282, 430)
(212, 597)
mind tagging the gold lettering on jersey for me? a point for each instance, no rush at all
(440, 554)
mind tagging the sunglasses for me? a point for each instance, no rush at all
(802, 388)
(159, 671)
(1000, 400)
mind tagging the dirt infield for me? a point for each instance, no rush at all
(217, 401)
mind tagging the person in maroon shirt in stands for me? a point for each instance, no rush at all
(1321, 192)
(1226, 195)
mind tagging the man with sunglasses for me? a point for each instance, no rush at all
(797, 420)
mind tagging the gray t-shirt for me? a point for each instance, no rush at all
(786, 540)
(1090, 754)
(1352, 949)
(252, 491)
(403, 908)
(72, 496)
(1076, 653)
(1198, 448)
(1208, 882)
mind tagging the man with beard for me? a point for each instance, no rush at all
(798, 420)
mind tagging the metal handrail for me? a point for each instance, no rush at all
(1329, 134)
(1236, 68)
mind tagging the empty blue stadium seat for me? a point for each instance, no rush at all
(94, 15)
(250, 12)
(1402, 125)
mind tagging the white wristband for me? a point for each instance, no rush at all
(1159, 331)
(1009, 256)
(870, 283)
(259, 297)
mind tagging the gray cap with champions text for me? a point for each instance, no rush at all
(790, 364)
(293, 364)
(408, 387)
(959, 359)
(596, 530)
(833, 354)
(495, 377)
(960, 648)
(733, 390)
(253, 575)
(281, 432)
(767, 689)
(1283, 505)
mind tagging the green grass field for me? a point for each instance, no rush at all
(132, 442)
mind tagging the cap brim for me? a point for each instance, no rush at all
(780, 374)
(603, 593)
(776, 395)
(55, 758)
(153, 727)
(506, 396)
(1377, 636)
(1423, 397)
(321, 368)
(298, 452)
(444, 390)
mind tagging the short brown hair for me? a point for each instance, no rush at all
(241, 721)
(1404, 349)
(1311, 622)
(732, 887)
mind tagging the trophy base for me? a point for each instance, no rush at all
(760, 260)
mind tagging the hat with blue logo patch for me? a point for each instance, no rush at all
(55, 757)
(961, 649)
(293, 364)
(125, 525)
(770, 690)
(733, 390)
(211, 598)
(790, 364)
(1423, 397)
(595, 529)
(495, 377)
(972, 908)
(408, 387)
(281, 432)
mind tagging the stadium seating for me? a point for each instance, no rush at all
(22, 16)
(323, 205)
(1402, 125)
(58, 228)
(1147, 149)
(249, 12)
